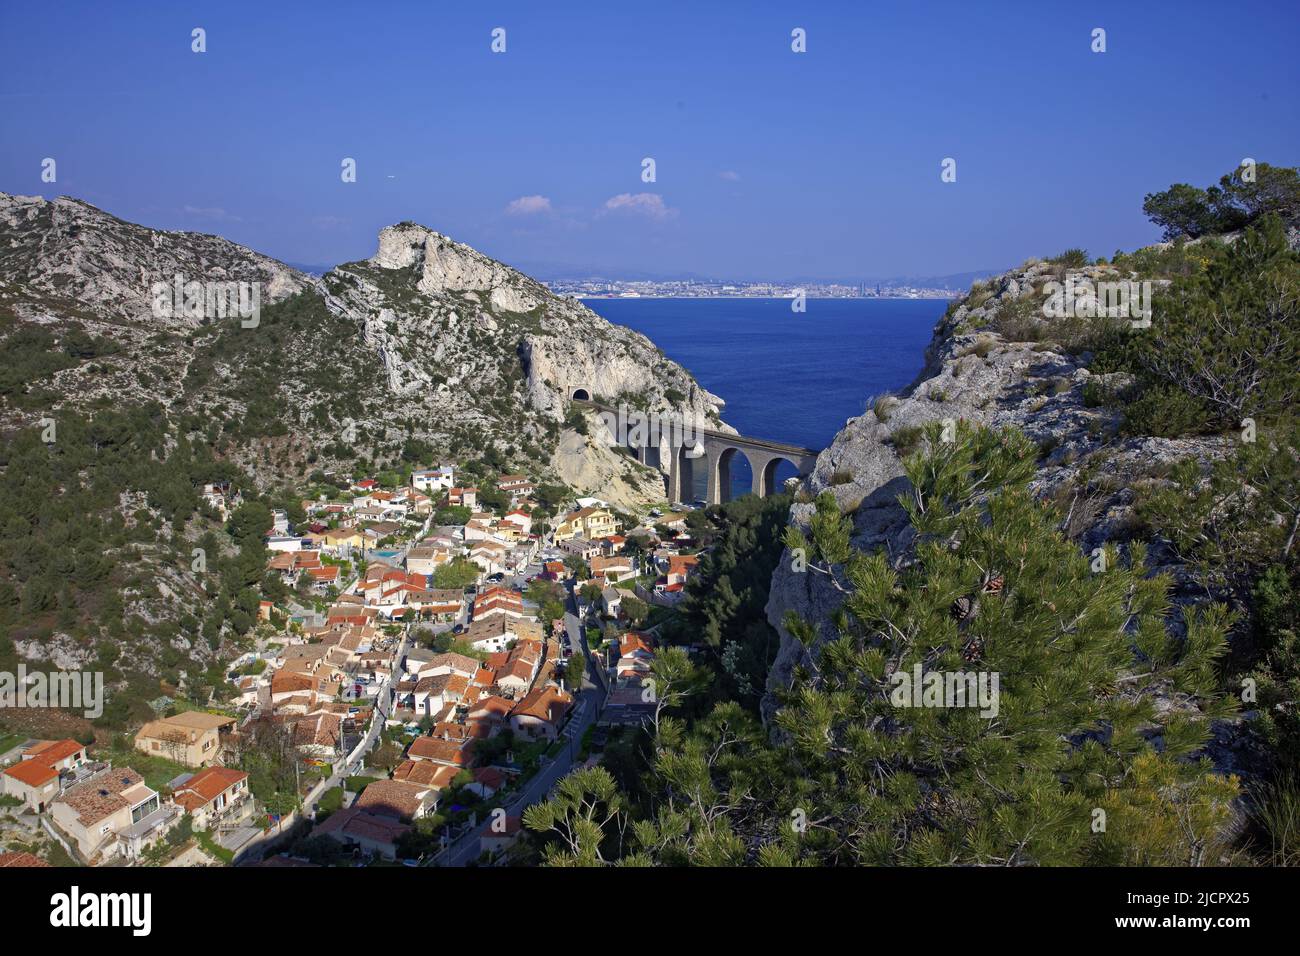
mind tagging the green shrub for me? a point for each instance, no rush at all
(1071, 259)
(906, 439)
(1164, 413)
(1221, 347)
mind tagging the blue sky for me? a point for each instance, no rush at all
(769, 163)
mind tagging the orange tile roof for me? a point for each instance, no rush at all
(206, 785)
(39, 767)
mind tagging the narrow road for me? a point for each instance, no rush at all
(383, 704)
(591, 700)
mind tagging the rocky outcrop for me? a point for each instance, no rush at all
(592, 467)
(470, 338)
(476, 355)
(65, 250)
(975, 372)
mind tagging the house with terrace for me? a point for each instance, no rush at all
(111, 814)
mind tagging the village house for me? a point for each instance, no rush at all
(194, 738)
(610, 569)
(434, 692)
(433, 479)
(489, 715)
(520, 519)
(487, 781)
(418, 503)
(515, 485)
(290, 564)
(341, 540)
(517, 670)
(496, 634)
(580, 548)
(593, 522)
(211, 794)
(425, 558)
(498, 836)
(440, 750)
(41, 770)
(221, 497)
(636, 652)
(498, 601)
(462, 497)
(490, 556)
(372, 832)
(325, 577)
(398, 799)
(318, 734)
(112, 813)
(678, 568)
(445, 605)
(540, 712)
(431, 664)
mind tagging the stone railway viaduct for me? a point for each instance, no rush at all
(715, 451)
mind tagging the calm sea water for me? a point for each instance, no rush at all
(786, 376)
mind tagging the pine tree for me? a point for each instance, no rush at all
(1081, 658)
(1086, 749)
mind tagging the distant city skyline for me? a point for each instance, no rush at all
(817, 165)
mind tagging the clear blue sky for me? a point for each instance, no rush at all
(769, 163)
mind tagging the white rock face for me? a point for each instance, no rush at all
(591, 467)
(972, 373)
(71, 250)
(477, 341)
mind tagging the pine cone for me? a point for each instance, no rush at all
(993, 584)
(964, 608)
(972, 650)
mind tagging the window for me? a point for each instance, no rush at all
(154, 745)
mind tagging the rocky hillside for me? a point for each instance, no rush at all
(428, 340)
(61, 253)
(993, 360)
(469, 341)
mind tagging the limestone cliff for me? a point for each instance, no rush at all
(473, 340)
(427, 340)
(976, 369)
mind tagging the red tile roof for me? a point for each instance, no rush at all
(206, 785)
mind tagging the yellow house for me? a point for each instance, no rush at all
(349, 536)
(192, 738)
(589, 523)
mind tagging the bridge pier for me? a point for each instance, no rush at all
(681, 477)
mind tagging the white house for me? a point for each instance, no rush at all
(433, 479)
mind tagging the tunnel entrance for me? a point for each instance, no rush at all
(581, 395)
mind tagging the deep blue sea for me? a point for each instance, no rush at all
(787, 376)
